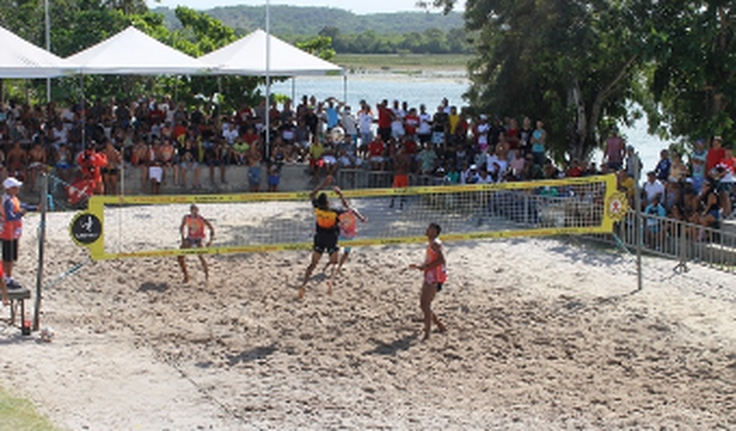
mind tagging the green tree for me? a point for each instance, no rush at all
(321, 46)
(435, 42)
(692, 84)
(570, 63)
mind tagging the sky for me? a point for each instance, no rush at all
(356, 6)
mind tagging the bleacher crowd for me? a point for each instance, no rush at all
(168, 141)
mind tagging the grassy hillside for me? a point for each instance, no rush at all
(293, 20)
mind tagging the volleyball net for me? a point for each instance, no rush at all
(148, 226)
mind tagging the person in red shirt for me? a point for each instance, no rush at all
(376, 150)
(157, 116)
(715, 154)
(90, 162)
(180, 130)
(575, 169)
(385, 116)
(512, 134)
(411, 123)
(410, 146)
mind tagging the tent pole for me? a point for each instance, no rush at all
(218, 111)
(41, 242)
(293, 91)
(47, 25)
(84, 113)
(268, 79)
(344, 88)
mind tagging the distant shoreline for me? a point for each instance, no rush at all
(423, 65)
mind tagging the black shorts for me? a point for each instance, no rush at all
(439, 287)
(10, 250)
(326, 241)
(384, 133)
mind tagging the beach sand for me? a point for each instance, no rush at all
(542, 334)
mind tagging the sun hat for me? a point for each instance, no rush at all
(11, 182)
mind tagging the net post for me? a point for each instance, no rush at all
(41, 242)
(637, 220)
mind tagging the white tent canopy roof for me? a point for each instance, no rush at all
(132, 52)
(247, 56)
(22, 59)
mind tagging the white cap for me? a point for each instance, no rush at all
(483, 116)
(473, 167)
(11, 182)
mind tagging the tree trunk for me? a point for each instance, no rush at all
(580, 127)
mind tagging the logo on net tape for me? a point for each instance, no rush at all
(617, 206)
(86, 228)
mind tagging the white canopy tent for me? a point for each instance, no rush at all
(22, 59)
(262, 54)
(132, 52)
(247, 56)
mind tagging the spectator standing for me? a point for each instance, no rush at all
(663, 166)
(365, 125)
(90, 164)
(633, 163)
(525, 137)
(349, 124)
(440, 126)
(385, 117)
(480, 133)
(397, 121)
(424, 130)
(12, 224)
(697, 163)
(615, 151)
(538, 142)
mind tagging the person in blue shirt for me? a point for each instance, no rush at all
(653, 212)
(662, 170)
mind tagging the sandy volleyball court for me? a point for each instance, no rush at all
(542, 335)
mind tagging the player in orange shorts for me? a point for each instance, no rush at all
(402, 164)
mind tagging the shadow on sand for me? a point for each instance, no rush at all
(251, 355)
(391, 349)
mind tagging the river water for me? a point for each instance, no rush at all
(429, 90)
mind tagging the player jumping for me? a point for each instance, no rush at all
(328, 230)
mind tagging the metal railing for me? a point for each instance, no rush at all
(678, 240)
(666, 237)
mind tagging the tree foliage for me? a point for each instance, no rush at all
(567, 62)
(577, 65)
(692, 81)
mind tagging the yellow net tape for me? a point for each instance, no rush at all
(88, 227)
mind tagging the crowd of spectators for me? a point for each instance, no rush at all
(169, 142)
(696, 189)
